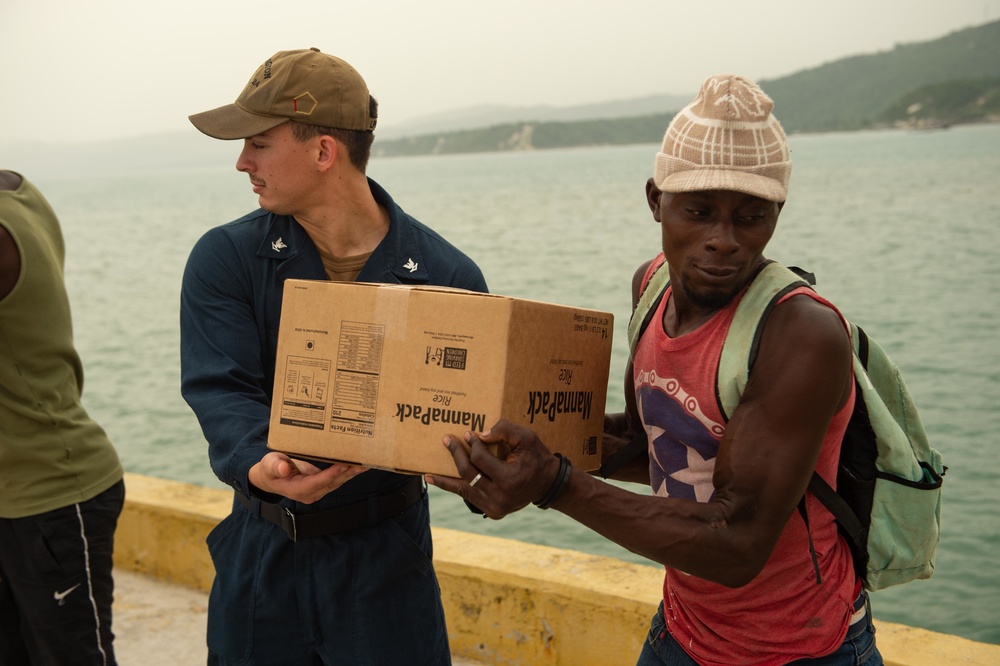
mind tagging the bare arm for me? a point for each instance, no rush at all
(764, 463)
(10, 258)
(619, 430)
(10, 263)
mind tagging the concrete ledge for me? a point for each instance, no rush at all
(163, 527)
(506, 602)
(514, 603)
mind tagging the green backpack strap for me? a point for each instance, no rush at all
(739, 351)
(645, 308)
(649, 300)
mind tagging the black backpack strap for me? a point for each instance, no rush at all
(624, 455)
(812, 548)
(848, 522)
(845, 516)
(862, 346)
(840, 509)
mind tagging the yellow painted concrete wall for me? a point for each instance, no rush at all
(507, 602)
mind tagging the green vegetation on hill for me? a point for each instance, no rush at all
(527, 136)
(947, 103)
(855, 92)
(954, 79)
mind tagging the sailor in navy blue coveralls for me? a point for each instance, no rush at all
(287, 590)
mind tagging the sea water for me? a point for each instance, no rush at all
(901, 229)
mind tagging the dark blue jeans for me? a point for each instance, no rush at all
(858, 648)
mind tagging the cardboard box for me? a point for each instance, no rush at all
(377, 374)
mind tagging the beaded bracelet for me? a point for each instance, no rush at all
(559, 485)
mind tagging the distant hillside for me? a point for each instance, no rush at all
(947, 78)
(490, 115)
(527, 136)
(854, 93)
(949, 103)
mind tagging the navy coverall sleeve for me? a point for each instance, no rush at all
(222, 369)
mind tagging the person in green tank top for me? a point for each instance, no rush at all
(61, 482)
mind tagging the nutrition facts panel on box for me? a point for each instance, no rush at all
(303, 399)
(356, 378)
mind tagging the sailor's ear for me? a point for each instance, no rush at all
(327, 152)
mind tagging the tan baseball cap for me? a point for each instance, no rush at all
(726, 139)
(304, 85)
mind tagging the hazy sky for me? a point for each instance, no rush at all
(82, 71)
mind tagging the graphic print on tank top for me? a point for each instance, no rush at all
(683, 441)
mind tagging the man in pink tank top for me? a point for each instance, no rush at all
(740, 584)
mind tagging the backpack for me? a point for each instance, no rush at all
(888, 498)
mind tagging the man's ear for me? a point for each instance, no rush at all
(328, 152)
(653, 199)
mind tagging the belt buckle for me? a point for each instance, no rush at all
(293, 533)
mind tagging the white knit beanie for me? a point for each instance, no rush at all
(726, 139)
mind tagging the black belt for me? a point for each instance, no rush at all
(365, 513)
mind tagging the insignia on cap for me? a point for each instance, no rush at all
(304, 104)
